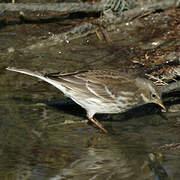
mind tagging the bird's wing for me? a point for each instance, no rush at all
(112, 88)
(69, 81)
(103, 84)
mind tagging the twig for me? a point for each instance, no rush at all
(58, 7)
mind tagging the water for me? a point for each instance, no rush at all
(43, 135)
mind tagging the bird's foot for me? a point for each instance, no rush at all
(97, 123)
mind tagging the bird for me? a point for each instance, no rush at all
(102, 91)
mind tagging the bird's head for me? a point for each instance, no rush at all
(149, 92)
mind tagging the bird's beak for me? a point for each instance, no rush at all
(161, 104)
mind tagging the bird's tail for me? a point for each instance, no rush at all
(32, 73)
(26, 71)
(41, 76)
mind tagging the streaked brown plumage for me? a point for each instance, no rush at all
(102, 91)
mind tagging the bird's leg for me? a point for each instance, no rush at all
(97, 123)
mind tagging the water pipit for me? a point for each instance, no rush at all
(102, 91)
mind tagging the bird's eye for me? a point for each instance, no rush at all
(153, 96)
